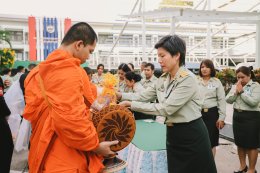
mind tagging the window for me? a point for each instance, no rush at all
(135, 40)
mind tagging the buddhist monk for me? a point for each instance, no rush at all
(64, 138)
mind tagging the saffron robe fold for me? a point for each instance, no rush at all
(62, 132)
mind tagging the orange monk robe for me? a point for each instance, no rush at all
(88, 92)
(93, 89)
(62, 134)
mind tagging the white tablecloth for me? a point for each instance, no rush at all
(140, 161)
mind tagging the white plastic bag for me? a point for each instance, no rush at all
(15, 101)
(23, 137)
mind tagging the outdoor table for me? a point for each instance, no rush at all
(147, 151)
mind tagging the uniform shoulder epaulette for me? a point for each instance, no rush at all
(215, 78)
(164, 74)
(184, 73)
(256, 83)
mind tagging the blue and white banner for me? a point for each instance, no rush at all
(50, 35)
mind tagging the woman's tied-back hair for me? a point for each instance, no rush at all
(132, 76)
(174, 45)
(124, 67)
(209, 64)
(80, 31)
(248, 71)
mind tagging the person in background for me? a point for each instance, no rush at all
(188, 145)
(64, 138)
(6, 140)
(13, 72)
(245, 97)
(23, 76)
(7, 79)
(149, 79)
(89, 72)
(213, 102)
(20, 70)
(142, 69)
(132, 81)
(131, 66)
(98, 77)
(122, 70)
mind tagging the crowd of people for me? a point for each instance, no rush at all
(59, 93)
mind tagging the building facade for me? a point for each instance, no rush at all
(33, 38)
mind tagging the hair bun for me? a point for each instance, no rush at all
(251, 68)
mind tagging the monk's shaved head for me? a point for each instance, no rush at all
(80, 31)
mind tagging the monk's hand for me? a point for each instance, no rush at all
(104, 148)
(118, 95)
(126, 104)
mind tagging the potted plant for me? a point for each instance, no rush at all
(257, 75)
(227, 77)
(7, 58)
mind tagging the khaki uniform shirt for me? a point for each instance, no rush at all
(123, 88)
(148, 82)
(248, 100)
(138, 88)
(179, 99)
(96, 79)
(213, 95)
(142, 75)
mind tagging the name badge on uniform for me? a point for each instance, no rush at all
(161, 88)
(211, 86)
(248, 91)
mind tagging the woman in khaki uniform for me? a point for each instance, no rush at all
(213, 102)
(188, 145)
(132, 81)
(122, 70)
(246, 118)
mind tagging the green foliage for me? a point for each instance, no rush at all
(227, 77)
(257, 75)
(5, 36)
(7, 58)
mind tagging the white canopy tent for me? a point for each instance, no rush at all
(191, 15)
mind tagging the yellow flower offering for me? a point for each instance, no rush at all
(109, 83)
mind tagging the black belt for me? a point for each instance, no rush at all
(240, 110)
(209, 109)
(184, 123)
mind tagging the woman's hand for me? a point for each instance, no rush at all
(1, 92)
(220, 124)
(239, 87)
(104, 148)
(7, 82)
(118, 96)
(125, 104)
